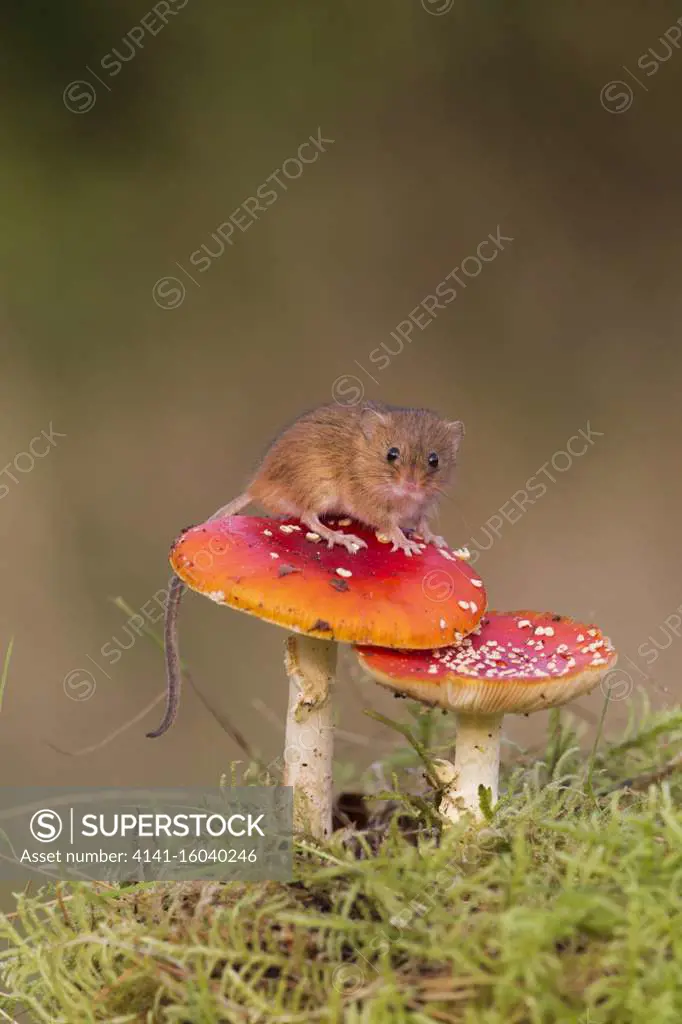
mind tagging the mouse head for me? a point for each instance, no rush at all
(413, 452)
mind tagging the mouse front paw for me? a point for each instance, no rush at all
(432, 538)
(403, 543)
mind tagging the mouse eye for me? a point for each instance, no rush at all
(433, 460)
(392, 454)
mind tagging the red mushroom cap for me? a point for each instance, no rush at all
(282, 572)
(514, 661)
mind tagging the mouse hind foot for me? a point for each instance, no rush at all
(347, 540)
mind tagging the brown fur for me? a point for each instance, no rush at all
(333, 460)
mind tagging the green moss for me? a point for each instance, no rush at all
(566, 906)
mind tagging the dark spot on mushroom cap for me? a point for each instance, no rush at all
(321, 627)
(286, 570)
(339, 584)
(556, 618)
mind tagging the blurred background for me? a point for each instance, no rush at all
(147, 361)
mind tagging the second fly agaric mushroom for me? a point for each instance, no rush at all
(513, 663)
(284, 573)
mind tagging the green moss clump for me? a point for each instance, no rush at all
(566, 906)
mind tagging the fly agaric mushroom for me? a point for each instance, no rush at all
(513, 663)
(280, 571)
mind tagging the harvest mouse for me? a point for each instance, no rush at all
(383, 465)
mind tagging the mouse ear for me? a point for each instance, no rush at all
(370, 419)
(456, 429)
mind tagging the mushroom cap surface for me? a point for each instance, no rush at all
(514, 662)
(284, 573)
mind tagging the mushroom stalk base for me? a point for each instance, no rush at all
(310, 665)
(477, 763)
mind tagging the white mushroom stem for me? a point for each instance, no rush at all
(309, 741)
(477, 763)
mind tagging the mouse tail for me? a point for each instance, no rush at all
(173, 667)
(233, 507)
